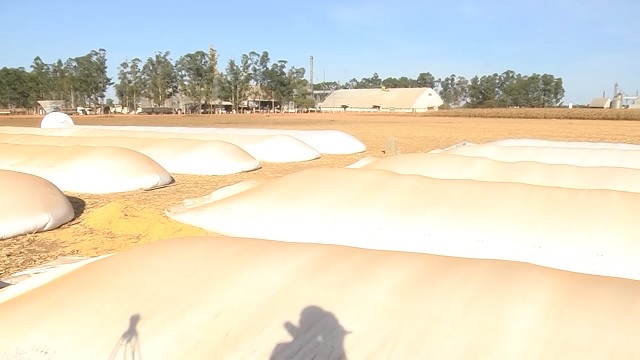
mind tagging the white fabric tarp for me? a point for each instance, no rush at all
(229, 298)
(448, 166)
(565, 144)
(24, 281)
(325, 141)
(269, 148)
(589, 231)
(362, 162)
(86, 169)
(56, 120)
(180, 156)
(553, 155)
(30, 204)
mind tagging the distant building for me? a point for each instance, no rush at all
(600, 103)
(382, 100)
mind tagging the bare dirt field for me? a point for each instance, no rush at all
(111, 223)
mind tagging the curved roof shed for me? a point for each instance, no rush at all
(400, 99)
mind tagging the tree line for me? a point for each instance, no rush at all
(83, 81)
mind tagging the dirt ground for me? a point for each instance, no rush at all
(111, 223)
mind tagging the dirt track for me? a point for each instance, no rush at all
(111, 223)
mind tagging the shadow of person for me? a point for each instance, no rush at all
(319, 336)
(129, 342)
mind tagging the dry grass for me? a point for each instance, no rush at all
(115, 222)
(560, 113)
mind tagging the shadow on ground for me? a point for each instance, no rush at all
(318, 336)
(78, 206)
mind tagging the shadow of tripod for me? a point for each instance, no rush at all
(129, 342)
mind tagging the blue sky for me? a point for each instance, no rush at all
(590, 44)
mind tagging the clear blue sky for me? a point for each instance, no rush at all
(590, 44)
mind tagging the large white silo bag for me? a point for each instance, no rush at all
(56, 120)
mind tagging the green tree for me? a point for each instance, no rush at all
(300, 88)
(461, 91)
(405, 82)
(259, 65)
(278, 84)
(426, 80)
(352, 84)
(124, 84)
(17, 88)
(42, 79)
(454, 91)
(158, 78)
(194, 76)
(447, 91)
(70, 67)
(391, 83)
(136, 84)
(235, 82)
(534, 96)
(90, 77)
(558, 92)
(210, 81)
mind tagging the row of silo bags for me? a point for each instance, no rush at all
(102, 161)
(343, 297)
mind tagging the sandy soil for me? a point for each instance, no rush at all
(112, 223)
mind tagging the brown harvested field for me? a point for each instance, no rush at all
(548, 113)
(111, 223)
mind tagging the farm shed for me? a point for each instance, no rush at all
(384, 100)
(601, 103)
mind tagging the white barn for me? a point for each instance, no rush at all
(382, 100)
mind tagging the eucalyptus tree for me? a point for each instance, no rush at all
(62, 81)
(41, 73)
(211, 83)
(426, 80)
(135, 78)
(17, 88)
(90, 77)
(258, 65)
(235, 83)
(158, 78)
(278, 84)
(124, 84)
(299, 85)
(194, 76)
(453, 90)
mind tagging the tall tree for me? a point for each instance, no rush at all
(278, 84)
(259, 65)
(124, 84)
(558, 92)
(42, 79)
(235, 83)
(461, 91)
(135, 77)
(510, 90)
(426, 80)
(300, 95)
(17, 88)
(194, 76)
(210, 80)
(158, 78)
(454, 91)
(71, 68)
(103, 81)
